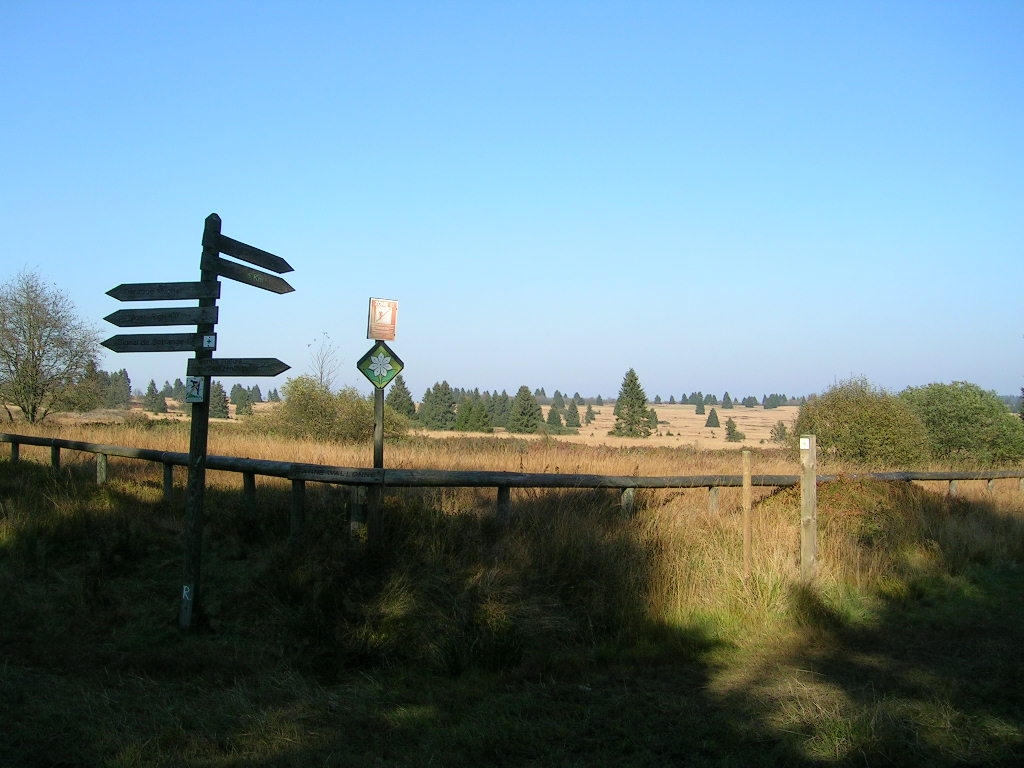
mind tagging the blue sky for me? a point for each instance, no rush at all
(744, 197)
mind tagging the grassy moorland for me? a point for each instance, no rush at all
(573, 637)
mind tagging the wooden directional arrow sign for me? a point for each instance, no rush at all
(252, 255)
(165, 291)
(130, 318)
(159, 342)
(237, 366)
(244, 274)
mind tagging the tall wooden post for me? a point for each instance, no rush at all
(748, 497)
(376, 492)
(808, 507)
(196, 489)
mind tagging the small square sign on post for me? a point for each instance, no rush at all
(195, 392)
(382, 320)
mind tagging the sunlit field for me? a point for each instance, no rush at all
(570, 635)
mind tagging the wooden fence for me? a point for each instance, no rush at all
(299, 474)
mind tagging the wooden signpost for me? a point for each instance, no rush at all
(380, 365)
(203, 366)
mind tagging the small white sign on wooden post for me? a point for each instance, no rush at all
(382, 320)
(195, 392)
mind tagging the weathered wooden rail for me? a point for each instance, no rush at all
(299, 474)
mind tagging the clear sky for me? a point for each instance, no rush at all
(750, 197)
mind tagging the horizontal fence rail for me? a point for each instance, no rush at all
(437, 478)
(397, 478)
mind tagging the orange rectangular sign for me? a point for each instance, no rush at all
(383, 320)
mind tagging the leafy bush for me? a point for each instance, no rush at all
(779, 433)
(853, 421)
(310, 410)
(966, 422)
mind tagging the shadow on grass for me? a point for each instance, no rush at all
(459, 642)
(934, 673)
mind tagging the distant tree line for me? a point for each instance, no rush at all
(447, 408)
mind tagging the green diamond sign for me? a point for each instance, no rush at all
(380, 365)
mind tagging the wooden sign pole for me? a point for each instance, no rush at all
(190, 593)
(808, 507)
(375, 504)
(202, 367)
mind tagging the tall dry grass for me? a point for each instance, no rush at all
(684, 564)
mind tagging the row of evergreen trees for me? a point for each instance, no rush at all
(773, 400)
(155, 400)
(444, 407)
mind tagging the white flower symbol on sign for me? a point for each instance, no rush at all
(380, 364)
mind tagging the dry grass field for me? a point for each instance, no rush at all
(679, 426)
(684, 427)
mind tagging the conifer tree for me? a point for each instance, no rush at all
(472, 416)
(699, 408)
(243, 403)
(119, 390)
(499, 407)
(153, 401)
(525, 415)
(437, 411)
(218, 402)
(178, 390)
(631, 413)
(726, 401)
(589, 415)
(732, 435)
(554, 418)
(572, 415)
(712, 419)
(400, 398)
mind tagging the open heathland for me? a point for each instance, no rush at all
(569, 636)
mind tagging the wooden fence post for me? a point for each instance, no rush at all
(748, 498)
(356, 509)
(504, 504)
(249, 490)
(15, 452)
(628, 502)
(952, 487)
(713, 499)
(101, 468)
(55, 457)
(808, 507)
(168, 481)
(297, 522)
